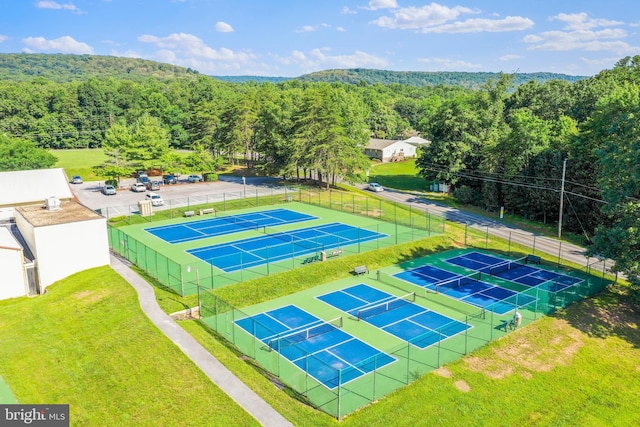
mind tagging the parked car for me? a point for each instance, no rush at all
(156, 199)
(76, 179)
(374, 186)
(144, 179)
(109, 190)
(139, 187)
(169, 179)
(194, 178)
(153, 185)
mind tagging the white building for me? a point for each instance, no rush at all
(45, 235)
(14, 281)
(387, 150)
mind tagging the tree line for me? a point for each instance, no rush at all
(502, 145)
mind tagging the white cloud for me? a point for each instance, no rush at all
(582, 21)
(442, 64)
(311, 28)
(188, 50)
(414, 18)
(479, 25)
(437, 18)
(63, 44)
(341, 29)
(608, 39)
(347, 11)
(580, 35)
(3, 38)
(382, 4)
(317, 59)
(509, 57)
(57, 6)
(223, 27)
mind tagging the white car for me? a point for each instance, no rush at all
(374, 186)
(156, 199)
(139, 187)
(194, 178)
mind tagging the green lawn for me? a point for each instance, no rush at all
(87, 343)
(80, 162)
(399, 175)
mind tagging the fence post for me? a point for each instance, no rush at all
(486, 239)
(534, 244)
(466, 231)
(560, 253)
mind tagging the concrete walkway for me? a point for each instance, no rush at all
(220, 375)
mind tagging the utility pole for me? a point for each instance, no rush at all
(564, 170)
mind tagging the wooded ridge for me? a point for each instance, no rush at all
(67, 68)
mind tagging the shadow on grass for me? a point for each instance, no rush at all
(609, 313)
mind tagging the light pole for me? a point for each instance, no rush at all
(564, 170)
(197, 286)
(244, 186)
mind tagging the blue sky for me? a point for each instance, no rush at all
(293, 37)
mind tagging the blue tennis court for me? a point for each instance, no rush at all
(397, 316)
(254, 251)
(514, 270)
(319, 348)
(466, 289)
(194, 230)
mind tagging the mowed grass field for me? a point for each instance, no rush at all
(87, 343)
(80, 161)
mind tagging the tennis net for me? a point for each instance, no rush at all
(243, 223)
(298, 335)
(293, 239)
(377, 309)
(507, 266)
(459, 281)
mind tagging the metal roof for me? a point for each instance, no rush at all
(33, 186)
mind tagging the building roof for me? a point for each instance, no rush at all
(38, 215)
(33, 186)
(380, 144)
(416, 140)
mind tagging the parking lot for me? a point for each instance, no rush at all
(89, 194)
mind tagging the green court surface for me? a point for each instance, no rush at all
(6, 396)
(174, 267)
(479, 327)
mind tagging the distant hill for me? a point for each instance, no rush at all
(257, 79)
(66, 68)
(424, 78)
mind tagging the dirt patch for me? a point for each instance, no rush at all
(89, 296)
(463, 386)
(493, 368)
(531, 349)
(443, 372)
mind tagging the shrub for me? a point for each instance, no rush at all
(210, 176)
(466, 195)
(113, 182)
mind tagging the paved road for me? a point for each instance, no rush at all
(183, 194)
(563, 250)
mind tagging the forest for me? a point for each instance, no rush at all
(502, 145)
